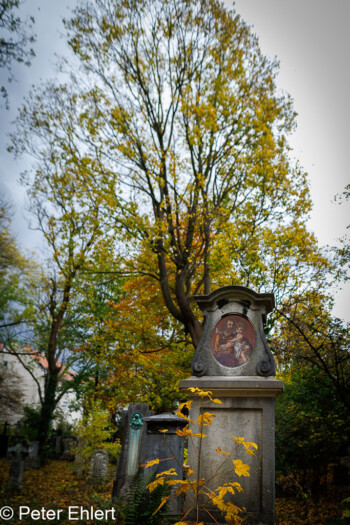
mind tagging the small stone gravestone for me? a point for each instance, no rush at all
(17, 453)
(68, 442)
(79, 465)
(133, 448)
(58, 446)
(33, 460)
(99, 464)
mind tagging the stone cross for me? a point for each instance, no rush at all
(18, 453)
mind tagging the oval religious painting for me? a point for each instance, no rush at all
(233, 340)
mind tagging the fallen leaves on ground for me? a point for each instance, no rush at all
(296, 511)
(55, 486)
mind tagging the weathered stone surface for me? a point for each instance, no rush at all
(243, 386)
(166, 445)
(99, 464)
(247, 410)
(243, 353)
(133, 447)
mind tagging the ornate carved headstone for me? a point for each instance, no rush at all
(99, 464)
(233, 342)
(234, 362)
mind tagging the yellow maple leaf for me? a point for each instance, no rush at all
(187, 432)
(172, 482)
(247, 446)
(187, 405)
(222, 452)
(154, 484)
(205, 419)
(180, 414)
(236, 485)
(151, 463)
(232, 513)
(251, 444)
(164, 500)
(170, 472)
(184, 487)
(200, 392)
(241, 469)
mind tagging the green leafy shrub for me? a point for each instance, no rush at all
(311, 426)
(95, 432)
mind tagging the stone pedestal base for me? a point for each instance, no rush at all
(247, 410)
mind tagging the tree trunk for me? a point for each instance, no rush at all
(46, 413)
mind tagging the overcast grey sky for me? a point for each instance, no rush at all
(310, 38)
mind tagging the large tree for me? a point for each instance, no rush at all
(174, 124)
(185, 116)
(72, 222)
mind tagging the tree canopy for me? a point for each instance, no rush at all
(166, 158)
(16, 38)
(175, 125)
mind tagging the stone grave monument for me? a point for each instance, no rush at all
(133, 449)
(234, 362)
(99, 464)
(169, 448)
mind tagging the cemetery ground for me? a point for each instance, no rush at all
(56, 486)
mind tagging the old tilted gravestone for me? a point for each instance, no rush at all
(17, 453)
(133, 449)
(99, 464)
(234, 362)
(168, 447)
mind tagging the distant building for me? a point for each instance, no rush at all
(19, 385)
